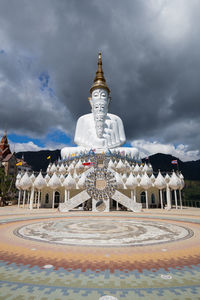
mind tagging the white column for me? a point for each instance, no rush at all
(31, 198)
(181, 204)
(175, 199)
(94, 204)
(107, 203)
(19, 198)
(24, 198)
(35, 201)
(28, 199)
(53, 199)
(134, 195)
(169, 205)
(117, 206)
(66, 194)
(161, 199)
(147, 204)
(38, 203)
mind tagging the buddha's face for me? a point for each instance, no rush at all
(99, 109)
(100, 94)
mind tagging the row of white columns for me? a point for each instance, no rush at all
(168, 196)
(30, 198)
(34, 197)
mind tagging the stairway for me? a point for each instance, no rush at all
(74, 201)
(127, 202)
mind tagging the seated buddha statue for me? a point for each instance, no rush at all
(99, 129)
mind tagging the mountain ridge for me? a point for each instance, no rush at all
(190, 169)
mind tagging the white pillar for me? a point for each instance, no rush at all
(147, 204)
(53, 199)
(181, 204)
(28, 199)
(31, 198)
(38, 203)
(175, 199)
(66, 194)
(117, 206)
(161, 199)
(94, 204)
(134, 195)
(107, 203)
(169, 205)
(35, 201)
(19, 198)
(24, 198)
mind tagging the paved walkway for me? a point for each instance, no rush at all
(165, 265)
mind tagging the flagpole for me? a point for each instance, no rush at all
(175, 162)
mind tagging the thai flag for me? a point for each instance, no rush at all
(174, 162)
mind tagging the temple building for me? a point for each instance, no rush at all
(23, 166)
(99, 174)
(7, 158)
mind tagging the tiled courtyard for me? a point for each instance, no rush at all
(83, 255)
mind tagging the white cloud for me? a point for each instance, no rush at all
(22, 147)
(173, 18)
(181, 151)
(30, 146)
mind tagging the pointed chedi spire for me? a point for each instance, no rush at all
(4, 139)
(4, 146)
(99, 81)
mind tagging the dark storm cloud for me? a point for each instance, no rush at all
(150, 55)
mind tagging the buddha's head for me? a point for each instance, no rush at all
(99, 99)
(99, 102)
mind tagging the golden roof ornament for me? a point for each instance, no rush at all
(99, 81)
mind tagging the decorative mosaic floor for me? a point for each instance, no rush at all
(103, 233)
(86, 256)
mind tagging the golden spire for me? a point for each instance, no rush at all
(99, 81)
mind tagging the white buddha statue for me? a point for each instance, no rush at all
(99, 129)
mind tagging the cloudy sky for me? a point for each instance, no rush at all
(151, 61)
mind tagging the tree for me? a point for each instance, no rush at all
(7, 187)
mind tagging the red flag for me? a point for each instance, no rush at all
(88, 163)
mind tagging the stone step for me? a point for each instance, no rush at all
(74, 201)
(127, 202)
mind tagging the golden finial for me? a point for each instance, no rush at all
(99, 81)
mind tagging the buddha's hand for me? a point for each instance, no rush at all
(110, 137)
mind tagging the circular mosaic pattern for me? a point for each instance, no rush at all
(103, 233)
